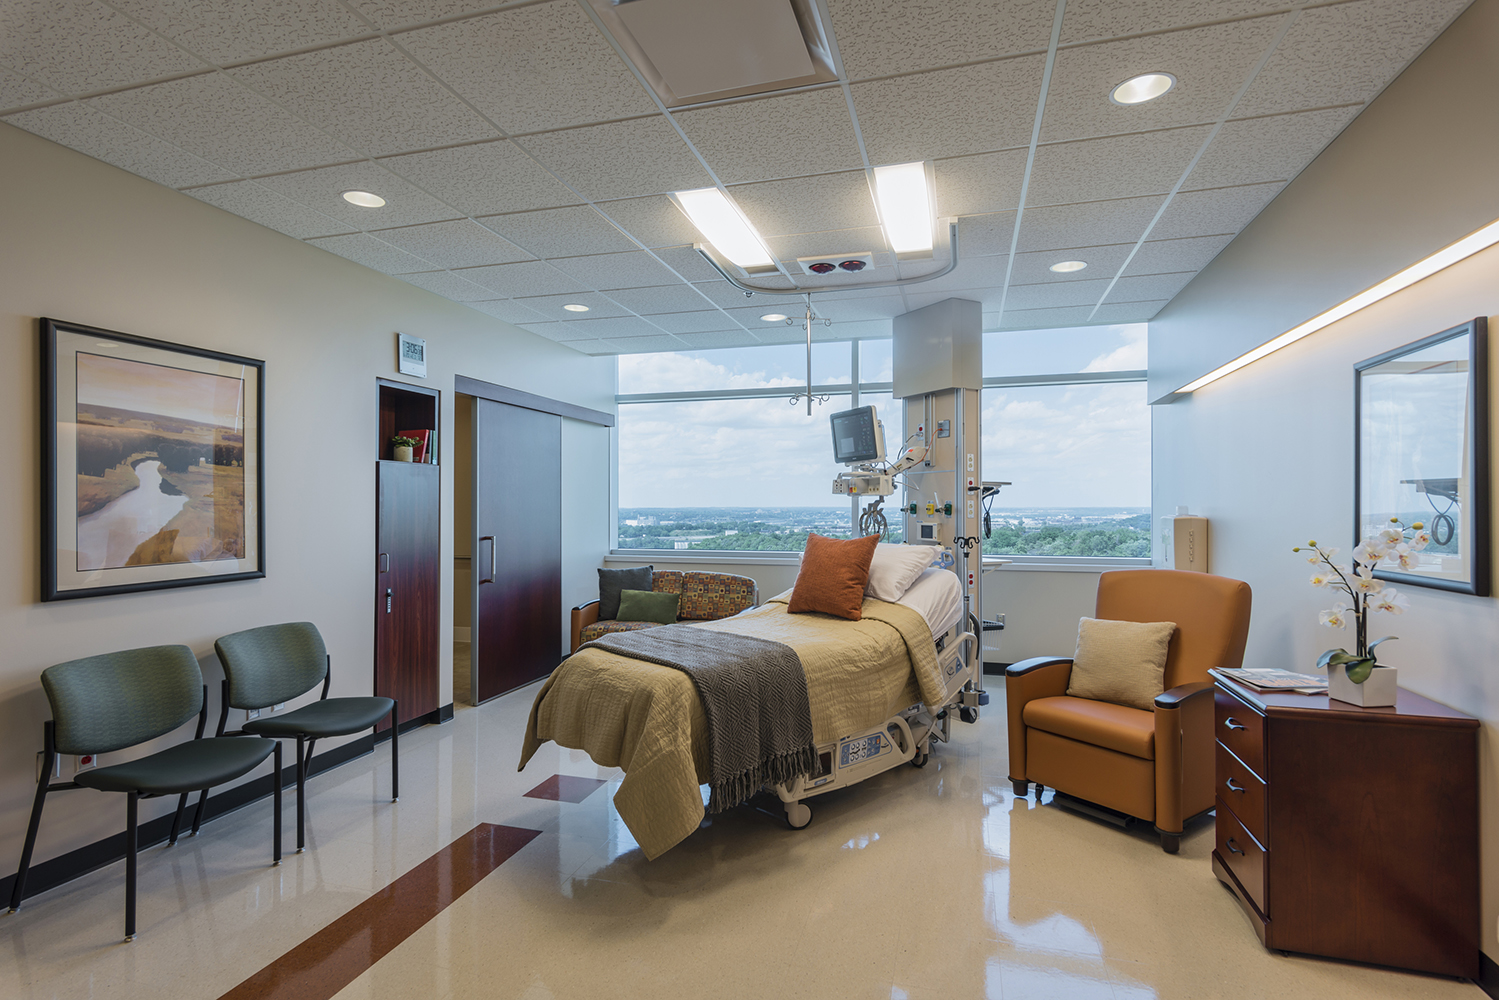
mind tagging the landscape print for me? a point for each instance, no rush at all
(160, 464)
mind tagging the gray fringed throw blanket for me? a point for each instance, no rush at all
(754, 695)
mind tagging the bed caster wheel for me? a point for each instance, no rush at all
(921, 758)
(798, 815)
(968, 714)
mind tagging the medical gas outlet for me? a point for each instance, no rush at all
(859, 484)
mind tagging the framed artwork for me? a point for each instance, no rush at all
(151, 464)
(1421, 453)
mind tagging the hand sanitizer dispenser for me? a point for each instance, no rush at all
(1184, 541)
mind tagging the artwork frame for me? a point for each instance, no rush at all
(1419, 410)
(152, 464)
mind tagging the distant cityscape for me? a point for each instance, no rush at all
(1039, 531)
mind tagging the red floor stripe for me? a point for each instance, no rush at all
(338, 954)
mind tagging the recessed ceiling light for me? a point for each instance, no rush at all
(1064, 266)
(1142, 88)
(773, 317)
(723, 225)
(363, 199)
(576, 307)
(905, 206)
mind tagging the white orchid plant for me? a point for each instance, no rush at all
(1396, 545)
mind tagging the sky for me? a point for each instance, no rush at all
(158, 389)
(1071, 446)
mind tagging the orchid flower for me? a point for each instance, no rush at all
(1333, 618)
(1370, 550)
(1364, 581)
(1390, 602)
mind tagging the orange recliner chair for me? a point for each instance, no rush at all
(1156, 765)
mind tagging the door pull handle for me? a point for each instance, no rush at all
(1233, 786)
(1230, 845)
(388, 598)
(490, 577)
(385, 562)
(1233, 723)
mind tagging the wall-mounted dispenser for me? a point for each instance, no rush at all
(1184, 541)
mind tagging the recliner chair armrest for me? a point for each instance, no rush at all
(583, 615)
(1179, 694)
(1038, 677)
(1184, 759)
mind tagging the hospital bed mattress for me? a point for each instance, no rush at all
(648, 720)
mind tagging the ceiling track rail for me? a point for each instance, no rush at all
(952, 262)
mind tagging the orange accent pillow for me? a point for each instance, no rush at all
(833, 576)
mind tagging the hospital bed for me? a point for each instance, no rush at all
(882, 692)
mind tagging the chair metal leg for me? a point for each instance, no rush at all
(276, 807)
(131, 810)
(177, 819)
(198, 814)
(311, 743)
(395, 757)
(36, 821)
(301, 794)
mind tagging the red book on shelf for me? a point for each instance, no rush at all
(418, 453)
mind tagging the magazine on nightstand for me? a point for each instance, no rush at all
(1265, 679)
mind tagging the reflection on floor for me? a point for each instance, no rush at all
(916, 884)
(462, 695)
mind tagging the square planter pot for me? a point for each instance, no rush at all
(1376, 692)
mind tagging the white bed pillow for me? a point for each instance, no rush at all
(895, 568)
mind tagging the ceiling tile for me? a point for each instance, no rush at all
(460, 243)
(1095, 19)
(17, 90)
(619, 326)
(989, 297)
(1042, 319)
(532, 277)
(531, 68)
(368, 95)
(871, 306)
(688, 263)
(225, 31)
(484, 178)
(559, 232)
(986, 235)
(971, 272)
(249, 200)
(1210, 65)
(449, 286)
(1144, 287)
(676, 298)
(620, 160)
(695, 322)
(1166, 256)
(1267, 149)
(615, 270)
(371, 252)
(654, 221)
(322, 189)
(549, 307)
(806, 133)
(1209, 213)
(79, 127)
(807, 204)
(559, 332)
(1345, 53)
(1052, 294)
(882, 39)
(971, 109)
(1035, 268)
(977, 185)
(1121, 166)
(508, 310)
(213, 117)
(726, 296)
(723, 338)
(1128, 312)
(870, 239)
(403, 13)
(644, 345)
(1087, 225)
(79, 46)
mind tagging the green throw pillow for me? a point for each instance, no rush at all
(648, 606)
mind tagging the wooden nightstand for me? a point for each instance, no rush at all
(1350, 832)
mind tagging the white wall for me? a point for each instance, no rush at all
(88, 243)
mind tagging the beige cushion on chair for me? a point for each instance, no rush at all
(1120, 662)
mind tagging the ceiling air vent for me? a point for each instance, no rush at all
(693, 51)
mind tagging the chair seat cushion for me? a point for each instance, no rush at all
(185, 767)
(1114, 727)
(329, 717)
(592, 632)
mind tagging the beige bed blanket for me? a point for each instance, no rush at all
(647, 719)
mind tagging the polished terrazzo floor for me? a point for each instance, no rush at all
(916, 884)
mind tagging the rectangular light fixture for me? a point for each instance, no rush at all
(1425, 268)
(724, 226)
(905, 204)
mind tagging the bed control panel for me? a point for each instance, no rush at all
(862, 748)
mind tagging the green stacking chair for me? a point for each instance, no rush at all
(101, 704)
(275, 663)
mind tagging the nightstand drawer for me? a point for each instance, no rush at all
(1244, 792)
(1242, 854)
(1240, 728)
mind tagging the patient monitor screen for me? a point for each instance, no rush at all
(857, 437)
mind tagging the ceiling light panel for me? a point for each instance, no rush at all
(726, 228)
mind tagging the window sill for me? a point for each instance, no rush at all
(1069, 564)
(719, 557)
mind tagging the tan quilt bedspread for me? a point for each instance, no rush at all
(647, 719)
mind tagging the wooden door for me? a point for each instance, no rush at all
(517, 627)
(407, 586)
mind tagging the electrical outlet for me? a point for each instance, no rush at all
(85, 762)
(41, 761)
(277, 708)
(252, 713)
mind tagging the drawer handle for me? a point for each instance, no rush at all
(1230, 845)
(1233, 786)
(1233, 723)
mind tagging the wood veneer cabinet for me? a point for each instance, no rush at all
(1351, 832)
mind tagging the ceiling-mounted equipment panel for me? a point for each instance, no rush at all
(695, 51)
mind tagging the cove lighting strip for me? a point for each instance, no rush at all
(1444, 258)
